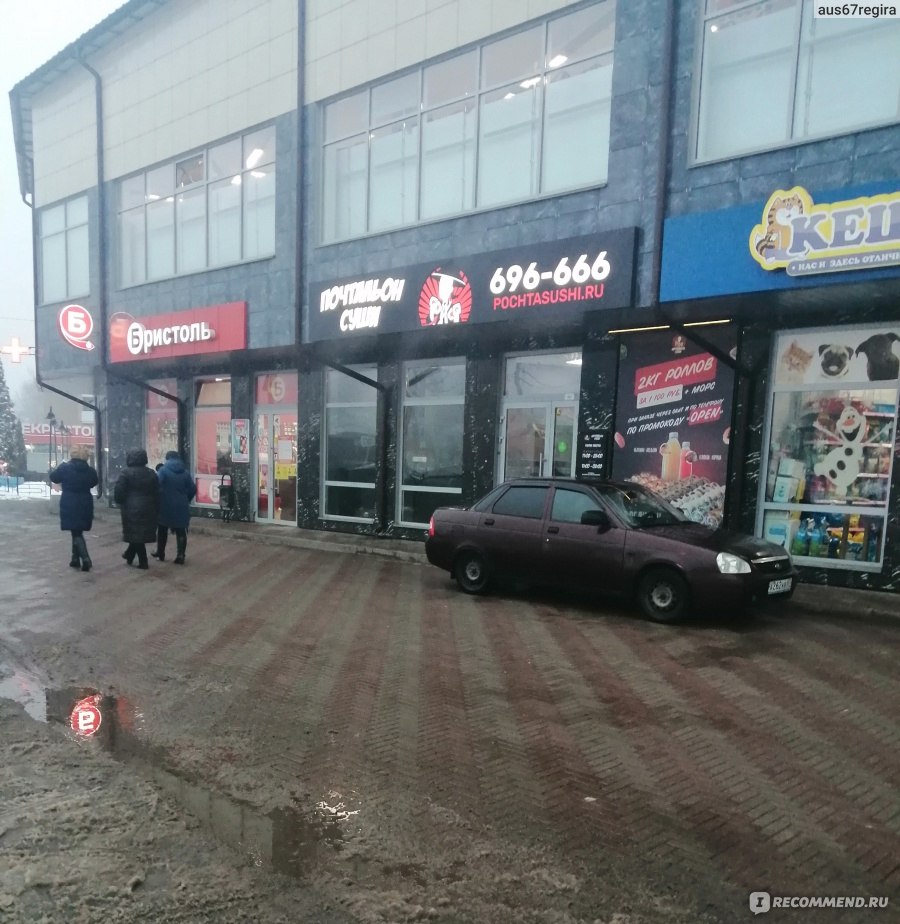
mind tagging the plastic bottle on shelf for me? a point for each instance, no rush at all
(818, 539)
(872, 550)
(800, 542)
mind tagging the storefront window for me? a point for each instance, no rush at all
(212, 437)
(832, 427)
(161, 421)
(349, 461)
(276, 447)
(432, 439)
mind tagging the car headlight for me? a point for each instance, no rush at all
(732, 564)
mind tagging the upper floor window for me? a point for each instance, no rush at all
(514, 118)
(65, 257)
(208, 209)
(773, 74)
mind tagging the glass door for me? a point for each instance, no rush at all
(276, 466)
(538, 440)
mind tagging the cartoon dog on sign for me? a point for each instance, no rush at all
(842, 465)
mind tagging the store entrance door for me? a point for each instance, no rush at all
(538, 439)
(276, 467)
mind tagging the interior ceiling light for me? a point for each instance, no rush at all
(637, 330)
(253, 157)
(509, 96)
(705, 323)
(258, 173)
(557, 60)
(236, 180)
(574, 359)
(531, 82)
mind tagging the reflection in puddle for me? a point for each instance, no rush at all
(27, 691)
(287, 840)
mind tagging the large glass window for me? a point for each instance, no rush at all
(64, 251)
(431, 450)
(161, 421)
(522, 116)
(349, 460)
(771, 74)
(208, 209)
(832, 428)
(212, 437)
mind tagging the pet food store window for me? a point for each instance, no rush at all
(832, 423)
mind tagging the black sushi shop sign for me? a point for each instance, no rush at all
(550, 281)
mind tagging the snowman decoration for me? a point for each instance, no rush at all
(843, 464)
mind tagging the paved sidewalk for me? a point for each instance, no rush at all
(872, 605)
(522, 758)
(855, 604)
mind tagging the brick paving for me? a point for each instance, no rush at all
(717, 758)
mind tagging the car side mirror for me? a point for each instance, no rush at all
(598, 518)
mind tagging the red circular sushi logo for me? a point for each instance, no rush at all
(446, 298)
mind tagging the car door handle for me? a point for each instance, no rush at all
(552, 529)
(489, 522)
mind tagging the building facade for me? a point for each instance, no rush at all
(360, 260)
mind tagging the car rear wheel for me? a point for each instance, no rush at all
(472, 573)
(662, 595)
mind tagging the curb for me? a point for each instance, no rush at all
(347, 546)
(874, 606)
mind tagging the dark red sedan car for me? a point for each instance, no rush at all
(610, 536)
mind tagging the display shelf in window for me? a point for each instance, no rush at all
(831, 434)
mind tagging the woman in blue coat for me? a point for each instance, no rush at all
(176, 491)
(76, 505)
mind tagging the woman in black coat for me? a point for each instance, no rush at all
(137, 494)
(76, 505)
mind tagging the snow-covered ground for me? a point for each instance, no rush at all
(27, 490)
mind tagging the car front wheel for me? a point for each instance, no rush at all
(472, 573)
(662, 595)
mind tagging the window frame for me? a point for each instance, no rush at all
(197, 410)
(693, 157)
(208, 183)
(481, 90)
(370, 370)
(441, 401)
(65, 232)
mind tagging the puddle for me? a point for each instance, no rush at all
(289, 840)
(28, 692)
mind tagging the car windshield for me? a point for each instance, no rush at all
(640, 508)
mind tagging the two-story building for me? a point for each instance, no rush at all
(364, 259)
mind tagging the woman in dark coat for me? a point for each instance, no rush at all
(137, 493)
(76, 505)
(176, 491)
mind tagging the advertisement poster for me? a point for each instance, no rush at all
(555, 279)
(836, 357)
(240, 440)
(673, 418)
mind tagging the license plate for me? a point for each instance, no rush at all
(780, 587)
